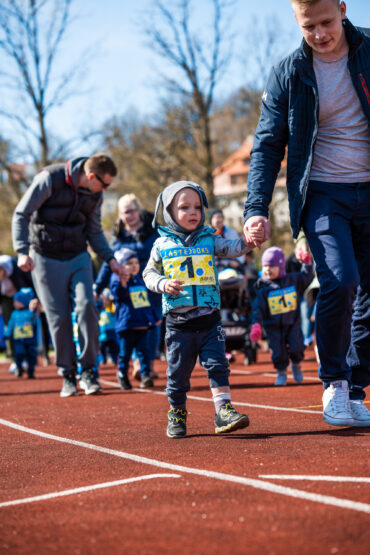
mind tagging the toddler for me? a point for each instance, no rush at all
(134, 316)
(277, 307)
(22, 328)
(107, 328)
(182, 268)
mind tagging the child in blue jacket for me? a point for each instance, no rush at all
(277, 307)
(182, 268)
(134, 316)
(22, 328)
(108, 344)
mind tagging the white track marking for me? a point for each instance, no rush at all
(85, 488)
(254, 483)
(315, 478)
(196, 398)
(269, 374)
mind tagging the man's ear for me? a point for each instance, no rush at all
(90, 176)
(343, 9)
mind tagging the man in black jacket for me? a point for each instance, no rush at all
(56, 219)
(317, 102)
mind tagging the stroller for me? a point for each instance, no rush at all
(236, 311)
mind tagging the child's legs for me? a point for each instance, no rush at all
(113, 350)
(126, 344)
(142, 351)
(154, 338)
(212, 356)
(277, 342)
(295, 343)
(20, 353)
(182, 352)
(103, 346)
(31, 358)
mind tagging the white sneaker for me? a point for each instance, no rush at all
(24, 366)
(12, 368)
(360, 414)
(335, 400)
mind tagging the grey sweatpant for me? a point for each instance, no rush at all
(63, 286)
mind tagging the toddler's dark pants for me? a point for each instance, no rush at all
(128, 340)
(25, 351)
(184, 345)
(286, 342)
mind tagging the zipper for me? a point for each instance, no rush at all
(314, 135)
(364, 86)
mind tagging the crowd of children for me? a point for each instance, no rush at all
(182, 268)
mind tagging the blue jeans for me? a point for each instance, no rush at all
(336, 221)
(128, 340)
(25, 351)
(183, 348)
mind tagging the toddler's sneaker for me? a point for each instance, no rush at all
(12, 368)
(281, 378)
(177, 423)
(335, 400)
(146, 381)
(228, 419)
(89, 382)
(123, 381)
(360, 414)
(297, 372)
(69, 386)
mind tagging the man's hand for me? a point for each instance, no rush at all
(115, 267)
(256, 231)
(25, 262)
(256, 332)
(173, 286)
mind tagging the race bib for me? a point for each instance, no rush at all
(23, 332)
(139, 296)
(191, 265)
(282, 300)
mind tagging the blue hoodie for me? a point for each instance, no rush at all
(133, 307)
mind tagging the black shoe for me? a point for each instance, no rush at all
(146, 381)
(228, 419)
(177, 423)
(123, 381)
(89, 383)
(69, 386)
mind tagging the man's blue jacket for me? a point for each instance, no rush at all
(289, 117)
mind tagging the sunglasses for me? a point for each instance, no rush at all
(105, 185)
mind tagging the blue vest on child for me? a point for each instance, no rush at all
(194, 265)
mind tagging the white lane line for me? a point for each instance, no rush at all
(85, 488)
(269, 374)
(251, 482)
(196, 398)
(315, 478)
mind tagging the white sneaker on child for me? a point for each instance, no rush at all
(335, 400)
(360, 414)
(12, 368)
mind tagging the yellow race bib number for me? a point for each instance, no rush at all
(191, 265)
(23, 332)
(139, 296)
(282, 300)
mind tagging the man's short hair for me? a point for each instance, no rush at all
(311, 2)
(101, 164)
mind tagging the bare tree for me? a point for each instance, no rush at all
(31, 35)
(198, 58)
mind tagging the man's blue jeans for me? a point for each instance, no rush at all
(336, 221)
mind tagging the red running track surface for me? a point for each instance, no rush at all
(112, 482)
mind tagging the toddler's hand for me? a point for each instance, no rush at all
(173, 286)
(124, 275)
(303, 256)
(256, 332)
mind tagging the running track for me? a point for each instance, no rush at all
(97, 474)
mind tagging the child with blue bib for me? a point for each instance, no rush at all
(22, 328)
(108, 344)
(277, 307)
(134, 316)
(182, 268)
